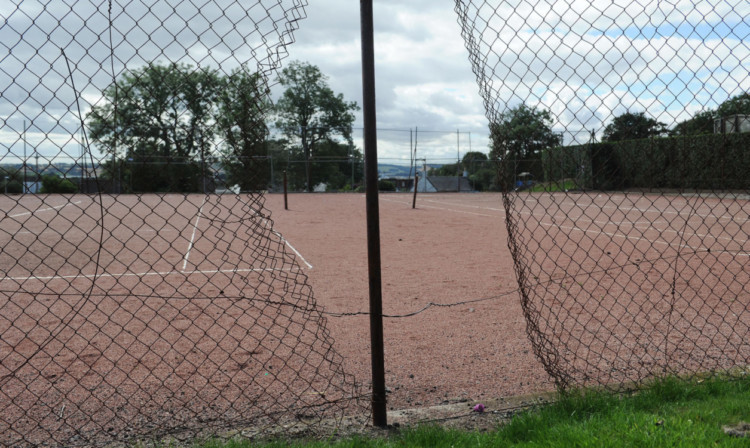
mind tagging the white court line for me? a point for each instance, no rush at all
(642, 210)
(699, 235)
(192, 238)
(442, 208)
(267, 225)
(465, 205)
(138, 274)
(309, 266)
(600, 232)
(43, 209)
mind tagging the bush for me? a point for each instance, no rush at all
(54, 184)
(710, 162)
(11, 186)
(386, 185)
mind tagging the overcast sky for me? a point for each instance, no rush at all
(584, 61)
(423, 75)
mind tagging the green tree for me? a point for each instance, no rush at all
(386, 185)
(243, 103)
(739, 104)
(335, 164)
(309, 112)
(161, 120)
(519, 136)
(448, 169)
(55, 184)
(482, 172)
(701, 123)
(470, 162)
(633, 126)
(473, 160)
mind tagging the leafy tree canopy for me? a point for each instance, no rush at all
(739, 104)
(633, 126)
(163, 125)
(243, 103)
(309, 112)
(55, 184)
(472, 160)
(523, 132)
(701, 123)
(161, 110)
(160, 118)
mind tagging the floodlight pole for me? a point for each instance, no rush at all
(379, 417)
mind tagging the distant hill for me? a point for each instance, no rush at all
(388, 170)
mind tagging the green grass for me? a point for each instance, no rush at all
(670, 412)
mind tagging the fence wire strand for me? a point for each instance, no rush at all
(622, 131)
(143, 290)
(145, 294)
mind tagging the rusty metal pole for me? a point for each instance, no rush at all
(286, 203)
(416, 186)
(416, 171)
(379, 417)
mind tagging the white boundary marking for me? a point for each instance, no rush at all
(596, 231)
(43, 209)
(138, 274)
(309, 266)
(267, 225)
(571, 202)
(630, 237)
(441, 208)
(192, 238)
(465, 205)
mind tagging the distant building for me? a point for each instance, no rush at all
(443, 184)
(401, 183)
(732, 124)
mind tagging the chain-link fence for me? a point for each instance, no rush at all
(135, 301)
(622, 122)
(144, 293)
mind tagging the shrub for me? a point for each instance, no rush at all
(386, 185)
(54, 184)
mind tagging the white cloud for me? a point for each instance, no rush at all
(584, 61)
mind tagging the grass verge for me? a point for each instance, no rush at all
(669, 412)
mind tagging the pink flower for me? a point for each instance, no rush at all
(479, 408)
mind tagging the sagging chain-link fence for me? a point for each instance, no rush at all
(624, 133)
(171, 310)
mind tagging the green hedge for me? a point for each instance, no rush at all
(706, 162)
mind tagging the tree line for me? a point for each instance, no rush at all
(521, 135)
(176, 128)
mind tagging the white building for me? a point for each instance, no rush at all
(732, 124)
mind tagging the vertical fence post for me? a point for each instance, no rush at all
(459, 174)
(23, 190)
(416, 186)
(379, 417)
(286, 203)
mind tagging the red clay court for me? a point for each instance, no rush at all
(451, 250)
